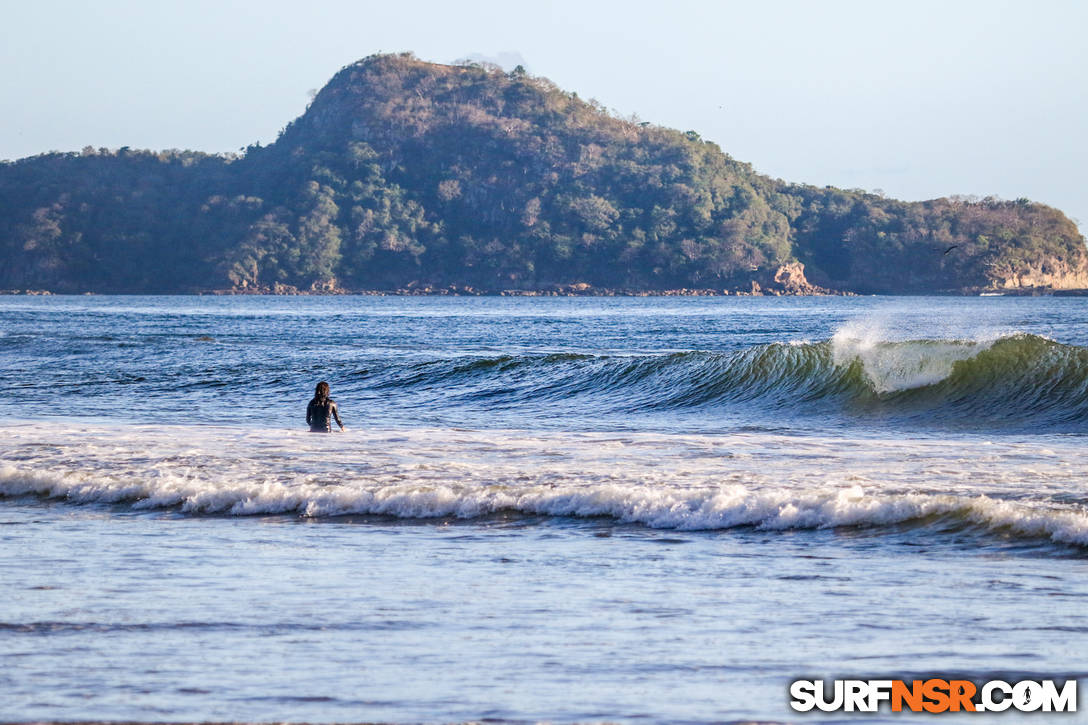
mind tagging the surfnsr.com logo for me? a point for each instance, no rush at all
(934, 695)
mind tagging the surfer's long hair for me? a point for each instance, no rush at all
(321, 392)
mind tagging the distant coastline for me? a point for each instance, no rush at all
(565, 292)
(404, 176)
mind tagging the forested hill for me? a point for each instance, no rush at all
(404, 174)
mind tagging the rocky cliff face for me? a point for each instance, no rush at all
(1048, 273)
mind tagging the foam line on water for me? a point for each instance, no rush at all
(683, 482)
(683, 509)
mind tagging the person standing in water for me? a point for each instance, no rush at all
(322, 411)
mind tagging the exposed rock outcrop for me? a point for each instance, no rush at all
(1050, 274)
(791, 279)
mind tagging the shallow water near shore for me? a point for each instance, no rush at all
(571, 509)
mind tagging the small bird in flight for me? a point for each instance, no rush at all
(950, 249)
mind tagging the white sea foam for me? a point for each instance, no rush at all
(892, 364)
(683, 482)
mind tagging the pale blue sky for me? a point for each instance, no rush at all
(920, 99)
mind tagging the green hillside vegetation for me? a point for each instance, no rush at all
(404, 173)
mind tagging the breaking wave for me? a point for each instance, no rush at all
(1019, 489)
(668, 508)
(1012, 380)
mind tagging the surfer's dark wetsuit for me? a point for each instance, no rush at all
(320, 414)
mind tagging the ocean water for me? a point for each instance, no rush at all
(560, 509)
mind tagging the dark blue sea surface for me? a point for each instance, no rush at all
(563, 509)
(683, 364)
